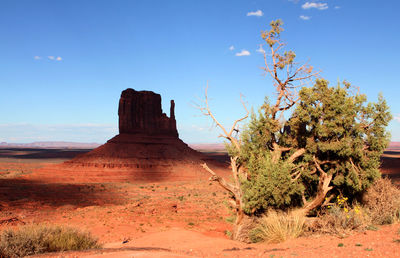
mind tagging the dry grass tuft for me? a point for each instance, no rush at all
(35, 239)
(275, 227)
(382, 201)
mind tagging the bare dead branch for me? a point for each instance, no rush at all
(318, 166)
(267, 69)
(240, 119)
(296, 155)
(303, 198)
(235, 171)
(214, 177)
(205, 109)
(296, 175)
(322, 189)
(327, 200)
(277, 152)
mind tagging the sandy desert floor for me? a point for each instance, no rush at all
(163, 219)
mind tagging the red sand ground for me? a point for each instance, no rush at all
(160, 219)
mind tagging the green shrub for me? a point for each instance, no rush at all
(382, 201)
(35, 239)
(271, 185)
(277, 227)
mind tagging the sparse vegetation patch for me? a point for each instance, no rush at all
(278, 226)
(382, 201)
(36, 239)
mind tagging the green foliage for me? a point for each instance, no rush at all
(271, 185)
(35, 239)
(343, 132)
(271, 36)
(337, 129)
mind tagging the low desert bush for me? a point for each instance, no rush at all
(277, 227)
(382, 201)
(340, 218)
(35, 239)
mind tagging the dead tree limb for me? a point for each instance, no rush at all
(227, 135)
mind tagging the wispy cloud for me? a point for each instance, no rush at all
(397, 117)
(304, 17)
(231, 48)
(319, 6)
(257, 13)
(54, 58)
(37, 57)
(243, 53)
(260, 49)
(199, 128)
(337, 7)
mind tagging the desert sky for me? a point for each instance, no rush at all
(63, 64)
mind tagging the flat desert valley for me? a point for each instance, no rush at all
(158, 218)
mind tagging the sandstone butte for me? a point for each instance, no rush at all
(147, 148)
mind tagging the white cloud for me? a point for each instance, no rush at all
(231, 48)
(199, 128)
(58, 58)
(37, 57)
(257, 13)
(243, 53)
(337, 7)
(319, 6)
(304, 17)
(397, 117)
(260, 49)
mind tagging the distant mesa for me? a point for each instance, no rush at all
(51, 145)
(140, 113)
(147, 148)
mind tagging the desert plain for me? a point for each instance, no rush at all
(159, 218)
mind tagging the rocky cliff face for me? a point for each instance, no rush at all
(140, 113)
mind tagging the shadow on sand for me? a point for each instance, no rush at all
(27, 194)
(37, 153)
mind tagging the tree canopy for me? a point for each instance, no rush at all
(332, 137)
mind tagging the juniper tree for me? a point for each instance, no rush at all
(330, 143)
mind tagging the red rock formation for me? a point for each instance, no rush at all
(140, 112)
(147, 148)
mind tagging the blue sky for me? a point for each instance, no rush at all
(63, 64)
